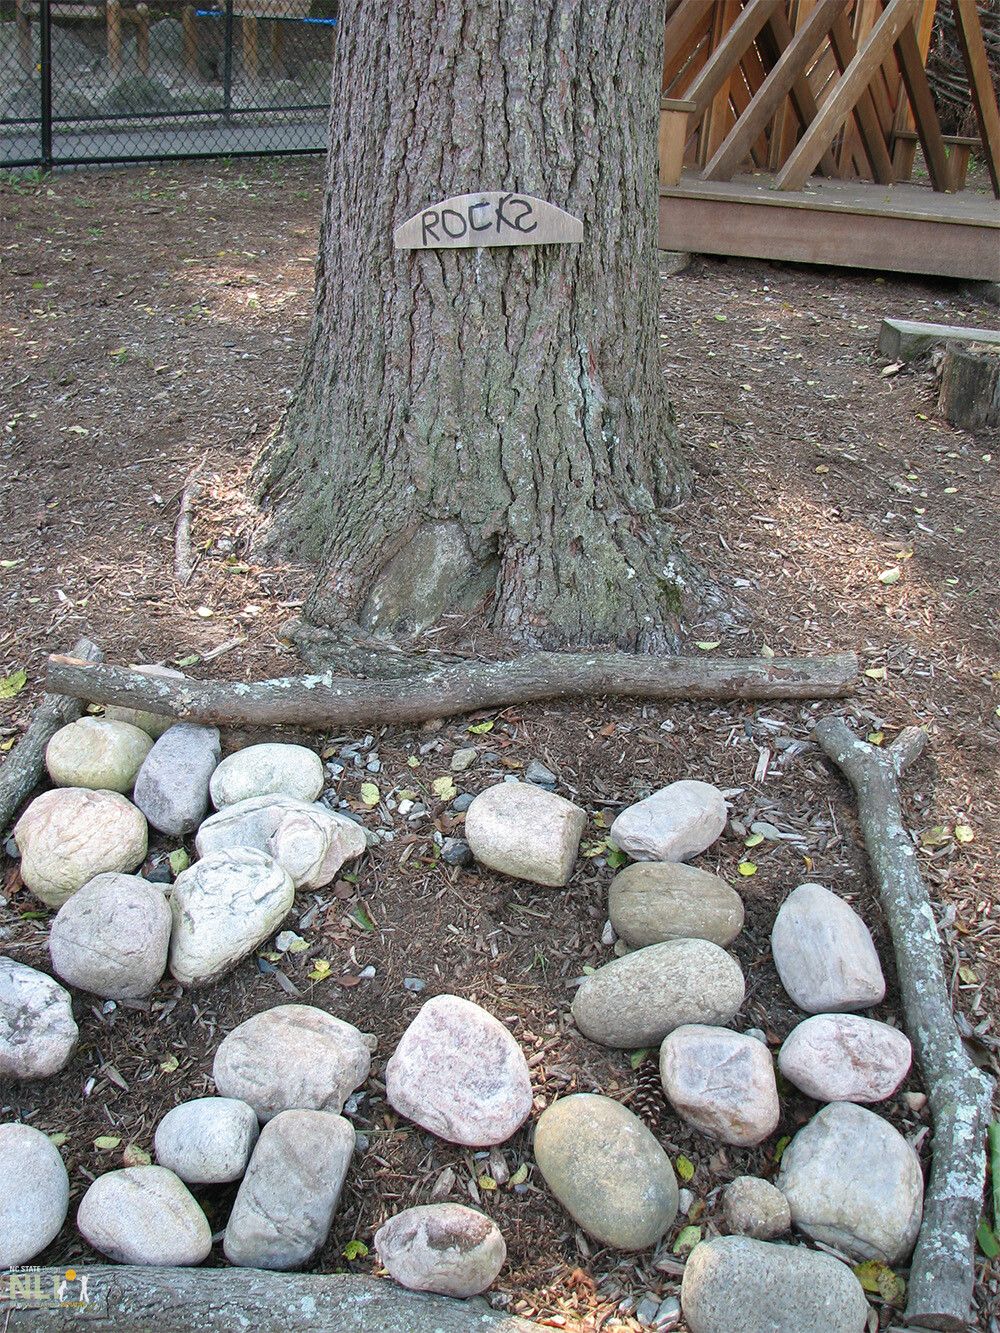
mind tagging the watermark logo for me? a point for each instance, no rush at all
(35, 1287)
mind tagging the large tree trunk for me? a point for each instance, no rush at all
(487, 426)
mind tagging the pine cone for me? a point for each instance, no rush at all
(647, 1101)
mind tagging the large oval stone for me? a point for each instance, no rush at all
(524, 831)
(34, 1193)
(733, 1284)
(223, 907)
(721, 1082)
(442, 1247)
(845, 1058)
(653, 901)
(852, 1181)
(38, 1034)
(68, 836)
(267, 770)
(459, 1073)
(144, 1215)
(207, 1141)
(636, 1000)
(824, 954)
(286, 1204)
(607, 1170)
(111, 938)
(675, 823)
(171, 789)
(95, 753)
(292, 1057)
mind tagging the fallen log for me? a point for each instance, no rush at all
(187, 1300)
(326, 701)
(942, 1272)
(23, 768)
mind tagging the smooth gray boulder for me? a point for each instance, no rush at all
(69, 835)
(207, 1141)
(721, 1082)
(267, 770)
(824, 954)
(285, 1206)
(95, 753)
(734, 1284)
(34, 1193)
(674, 824)
(526, 832)
(845, 1058)
(144, 1215)
(38, 1033)
(755, 1207)
(171, 789)
(111, 938)
(441, 1247)
(653, 901)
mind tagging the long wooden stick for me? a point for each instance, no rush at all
(23, 768)
(325, 701)
(942, 1272)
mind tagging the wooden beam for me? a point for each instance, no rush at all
(729, 53)
(802, 98)
(686, 26)
(675, 121)
(719, 116)
(869, 124)
(911, 67)
(970, 38)
(904, 149)
(841, 102)
(781, 81)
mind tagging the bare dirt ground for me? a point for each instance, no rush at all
(152, 321)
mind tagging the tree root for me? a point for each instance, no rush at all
(942, 1272)
(23, 768)
(326, 701)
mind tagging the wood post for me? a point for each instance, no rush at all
(970, 38)
(114, 21)
(674, 128)
(24, 51)
(251, 47)
(190, 40)
(141, 21)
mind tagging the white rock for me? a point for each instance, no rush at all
(653, 901)
(442, 1247)
(223, 907)
(721, 1082)
(153, 724)
(207, 1141)
(34, 1193)
(674, 824)
(292, 1057)
(754, 1207)
(845, 1058)
(68, 836)
(459, 1073)
(267, 770)
(824, 954)
(95, 753)
(246, 824)
(636, 1000)
(171, 789)
(314, 843)
(525, 832)
(144, 1215)
(734, 1284)
(853, 1182)
(111, 938)
(37, 1032)
(289, 1195)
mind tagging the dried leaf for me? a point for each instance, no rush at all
(133, 1155)
(13, 684)
(106, 1142)
(687, 1239)
(879, 1279)
(963, 833)
(876, 673)
(444, 788)
(684, 1168)
(370, 793)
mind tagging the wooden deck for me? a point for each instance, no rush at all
(903, 228)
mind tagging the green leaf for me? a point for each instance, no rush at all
(520, 1175)
(57, 1140)
(355, 1249)
(481, 728)
(190, 660)
(880, 1280)
(684, 1168)
(412, 761)
(875, 737)
(486, 1182)
(178, 860)
(987, 1240)
(754, 840)
(889, 576)
(320, 971)
(444, 787)
(876, 673)
(616, 858)
(13, 684)
(369, 793)
(637, 1057)
(687, 1240)
(106, 1142)
(780, 1146)
(963, 833)
(361, 918)
(746, 869)
(169, 1064)
(13, 564)
(707, 645)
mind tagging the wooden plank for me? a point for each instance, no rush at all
(841, 102)
(719, 117)
(781, 81)
(970, 37)
(675, 121)
(911, 67)
(688, 23)
(741, 91)
(869, 125)
(802, 98)
(906, 339)
(727, 55)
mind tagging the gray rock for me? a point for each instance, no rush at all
(675, 823)
(95, 753)
(207, 1141)
(824, 954)
(456, 852)
(734, 1284)
(308, 840)
(153, 724)
(463, 759)
(607, 1170)
(754, 1207)
(267, 770)
(223, 907)
(525, 832)
(172, 787)
(68, 836)
(144, 1215)
(653, 901)
(853, 1182)
(462, 802)
(845, 1058)
(250, 823)
(441, 1247)
(636, 1000)
(541, 776)
(37, 1032)
(459, 1073)
(289, 1195)
(34, 1193)
(111, 938)
(292, 1057)
(721, 1082)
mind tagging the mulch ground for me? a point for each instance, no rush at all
(153, 321)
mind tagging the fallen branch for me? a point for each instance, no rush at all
(23, 768)
(942, 1272)
(327, 701)
(183, 556)
(179, 1300)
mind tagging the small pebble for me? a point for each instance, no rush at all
(414, 984)
(685, 1199)
(456, 852)
(647, 1309)
(367, 973)
(159, 874)
(668, 1316)
(914, 1101)
(540, 775)
(462, 803)
(463, 759)
(12, 849)
(758, 1034)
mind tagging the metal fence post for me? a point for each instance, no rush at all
(45, 71)
(227, 62)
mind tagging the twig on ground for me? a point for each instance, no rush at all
(183, 556)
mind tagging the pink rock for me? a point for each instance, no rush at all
(824, 954)
(845, 1058)
(721, 1082)
(442, 1247)
(459, 1073)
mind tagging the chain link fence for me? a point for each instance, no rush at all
(118, 81)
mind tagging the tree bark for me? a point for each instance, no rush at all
(488, 428)
(942, 1272)
(326, 701)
